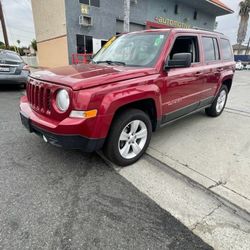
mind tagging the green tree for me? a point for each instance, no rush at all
(34, 44)
(244, 17)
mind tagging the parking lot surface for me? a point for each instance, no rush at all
(214, 152)
(51, 198)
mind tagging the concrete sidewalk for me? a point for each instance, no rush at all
(214, 152)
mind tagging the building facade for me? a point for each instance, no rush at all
(66, 27)
(241, 49)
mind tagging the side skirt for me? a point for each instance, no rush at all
(163, 124)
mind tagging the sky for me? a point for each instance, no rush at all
(228, 24)
(19, 21)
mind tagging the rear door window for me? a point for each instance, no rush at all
(226, 49)
(210, 48)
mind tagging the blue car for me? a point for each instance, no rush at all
(13, 70)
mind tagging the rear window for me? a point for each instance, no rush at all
(10, 56)
(226, 49)
(211, 49)
(13, 57)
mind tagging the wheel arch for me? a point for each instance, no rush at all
(228, 83)
(146, 105)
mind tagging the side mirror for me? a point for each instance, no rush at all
(180, 60)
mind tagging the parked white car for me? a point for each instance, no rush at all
(239, 66)
(247, 67)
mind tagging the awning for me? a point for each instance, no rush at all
(222, 6)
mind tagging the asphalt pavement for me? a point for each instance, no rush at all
(51, 198)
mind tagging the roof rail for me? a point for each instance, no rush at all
(198, 28)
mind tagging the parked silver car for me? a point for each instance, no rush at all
(13, 70)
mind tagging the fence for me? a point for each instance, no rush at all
(31, 61)
(81, 58)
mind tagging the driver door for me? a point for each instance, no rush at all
(183, 86)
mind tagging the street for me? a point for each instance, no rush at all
(51, 198)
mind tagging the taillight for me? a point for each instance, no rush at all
(26, 67)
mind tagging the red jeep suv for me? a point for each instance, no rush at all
(137, 83)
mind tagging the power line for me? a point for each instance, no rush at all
(25, 37)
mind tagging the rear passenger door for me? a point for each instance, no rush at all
(212, 68)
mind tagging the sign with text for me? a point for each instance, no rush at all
(172, 23)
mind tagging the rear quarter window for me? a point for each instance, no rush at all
(226, 49)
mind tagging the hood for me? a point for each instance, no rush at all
(84, 76)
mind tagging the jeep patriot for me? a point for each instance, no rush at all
(135, 84)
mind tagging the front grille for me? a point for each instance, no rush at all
(39, 96)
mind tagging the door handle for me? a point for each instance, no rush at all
(198, 73)
(220, 69)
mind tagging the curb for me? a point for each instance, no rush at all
(232, 206)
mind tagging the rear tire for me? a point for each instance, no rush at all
(219, 103)
(129, 137)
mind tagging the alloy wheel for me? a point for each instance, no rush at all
(132, 139)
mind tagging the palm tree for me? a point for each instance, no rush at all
(34, 44)
(18, 42)
(244, 17)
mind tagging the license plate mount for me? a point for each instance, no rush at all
(4, 69)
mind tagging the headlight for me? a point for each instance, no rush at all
(62, 100)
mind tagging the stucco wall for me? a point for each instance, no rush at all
(49, 18)
(53, 53)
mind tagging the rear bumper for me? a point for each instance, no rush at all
(14, 79)
(66, 141)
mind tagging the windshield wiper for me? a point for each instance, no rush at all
(111, 62)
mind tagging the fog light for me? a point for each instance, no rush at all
(45, 139)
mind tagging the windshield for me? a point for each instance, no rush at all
(139, 49)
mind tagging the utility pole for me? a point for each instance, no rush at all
(126, 15)
(5, 35)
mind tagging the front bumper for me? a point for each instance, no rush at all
(66, 141)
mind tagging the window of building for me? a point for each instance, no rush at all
(176, 9)
(210, 48)
(195, 15)
(226, 49)
(84, 2)
(95, 3)
(84, 44)
(186, 44)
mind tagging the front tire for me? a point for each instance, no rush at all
(129, 137)
(219, 103)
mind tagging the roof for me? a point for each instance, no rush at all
(242, 47)
(182, 30)
(220, 4)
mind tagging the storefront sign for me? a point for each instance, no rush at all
(172, 23)
(85, 9)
